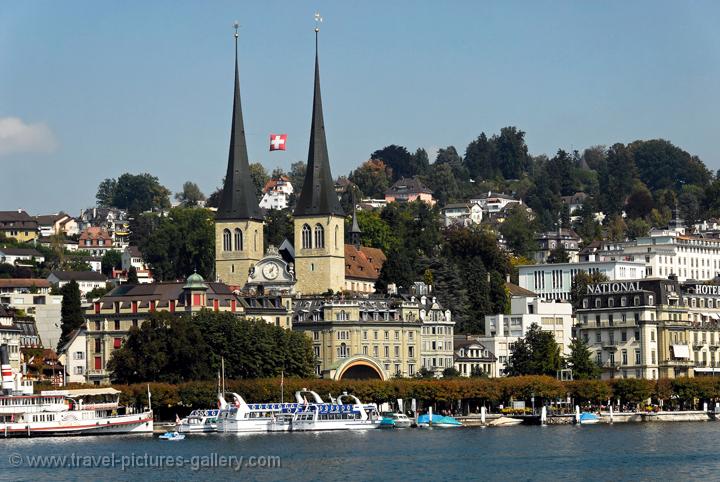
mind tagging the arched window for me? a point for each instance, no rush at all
(227, 246)
(306, 237)
(319, 236)
(238, 240)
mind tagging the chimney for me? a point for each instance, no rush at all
(7, 377)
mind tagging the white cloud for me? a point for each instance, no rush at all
(17, 136)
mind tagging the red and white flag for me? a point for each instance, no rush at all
(277, 142)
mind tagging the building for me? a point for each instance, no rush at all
(62, 243)
(24, 285)
(463, 214)
(20, 256)
(369, 338)
(276, 193)
(493, 203)
(86, 280)
(57, 224)
(622, 322)
(362, 268)
(42, 307)
(436, 332)
(109, 319)
(132, 258)
(554, 281)
(551, 240)
(10, 336)
(666, 252)
(238, 220)
(73, 356)
(472, 358)
(574, 202)
(526, 308)
(18, 225)
(409, 190)
(95, 240)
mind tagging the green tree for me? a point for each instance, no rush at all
(518, 231)
(477, 372)
(637, 228)
(106, 193)
(297, 176)
(536, 353)
(479, 159)
(71, 315)
(372, 178)
(578, 286)
(132, 277)
(580, 361)
(443, 183)
(558, 255)
(640, 202)
(278, 227)
(139, 193)
(660, 164)
(191, 195)
(184, 241)
(376, 232)
(97, 293)
(451, 372)
(616, 178)
(259, 177)
(511, 152)
(112, 259)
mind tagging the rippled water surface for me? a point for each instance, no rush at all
(676, 451)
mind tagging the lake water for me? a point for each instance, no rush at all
(677, 451)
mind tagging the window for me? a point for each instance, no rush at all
(652, 357)
(319, 236)
(365, 350)
(306, 237)
(623, 335)
(598, 336)
(387, 352)
(79, 355)
(98, 345)
(637, 335)
(117, 343)
(637, 357)
(624, 357)
(98, 363)
(117, 325)
(397, 351)
(411, 351)
(226, 240)
(238, 240)
(652, 336)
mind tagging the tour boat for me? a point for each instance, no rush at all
(91, 411)
(172, 436)
(199, 421)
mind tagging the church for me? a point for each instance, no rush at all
(318, 259)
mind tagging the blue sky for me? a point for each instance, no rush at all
(90, 90)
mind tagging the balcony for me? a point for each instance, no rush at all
(679, 363)
(97, 372)
(610, 344)
(611, 364)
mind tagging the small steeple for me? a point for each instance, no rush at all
(238, 199)
(318, 196)
(355, 231)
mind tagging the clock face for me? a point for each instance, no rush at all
(271, 270)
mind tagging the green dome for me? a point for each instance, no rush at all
(195, 281)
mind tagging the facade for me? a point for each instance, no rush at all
(43, 308)
(10, 336)
(17, 256)
(276, 193)
(18, 225)
(24, 285)
(473, 358)
(492, 202)
(463, 214)
(574, 202)
(95, 240)
(73, 356)
(86, 280)
(526, 308)
(361, 338)
(437, 331)
(409, 190)
(554, 281)
(666, 252)
(132, 258)
(362, 268)
(57, 224)
(567, 238)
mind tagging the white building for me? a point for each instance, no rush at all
(44, 308)
(86, 280)
(554, 281)
(471, 356)
(73, 356)
(526, 308)
(436, 350)
(132, 258)
(463, 214)
(276, 193)
(493, 203)
(20, 255)
(667, 252)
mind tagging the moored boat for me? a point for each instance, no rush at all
(505, 422)
(199, 421)
(587, 418)
(172, 436)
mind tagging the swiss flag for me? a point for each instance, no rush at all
(277, 142)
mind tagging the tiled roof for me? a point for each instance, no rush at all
(405, 185)
(24, 283)
(20, 252)
(364, 263)
(516, 290)
(17, 219)
(79, 275)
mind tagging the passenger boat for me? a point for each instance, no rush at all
(172, 436)
(92, 411)
(199, 421)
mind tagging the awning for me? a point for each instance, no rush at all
(681, 351)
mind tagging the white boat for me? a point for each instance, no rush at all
(238, 416)
(91, 411)
(395, 420)
(505, 422)
(199, 421)
(587, 418)
(172, 436)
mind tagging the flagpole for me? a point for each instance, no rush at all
(282, 386)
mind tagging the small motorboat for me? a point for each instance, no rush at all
(504, 422)
(171, 436)
(394, 420)
(428, 420)
(587, 418)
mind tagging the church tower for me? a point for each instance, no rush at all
(319, 218)
(239, 220)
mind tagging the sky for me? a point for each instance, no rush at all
(90, 90)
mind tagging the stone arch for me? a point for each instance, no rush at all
(360, 367)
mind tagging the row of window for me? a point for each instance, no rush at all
(237, 236)
(598, 302)
(611, 339)
(624, 358)
(343, 351)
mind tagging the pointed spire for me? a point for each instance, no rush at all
(355, 230)
(238, 199)
(318, 196)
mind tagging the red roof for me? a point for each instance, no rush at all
(364, 263)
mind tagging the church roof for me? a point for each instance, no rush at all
(318, 196)
(238, 200)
